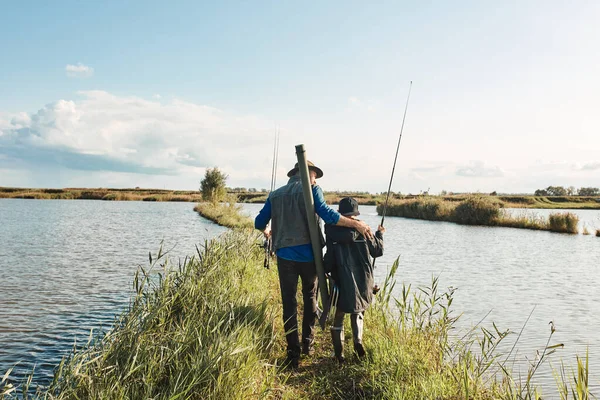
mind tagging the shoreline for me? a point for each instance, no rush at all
(108, 194)
(479, 211)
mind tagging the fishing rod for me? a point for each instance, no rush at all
(276, 156)
(274, 162)
(387, 197)
(268, 243)
(395, 158)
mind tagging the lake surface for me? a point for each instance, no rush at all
(68, 266)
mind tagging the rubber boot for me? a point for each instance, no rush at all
(337, 337)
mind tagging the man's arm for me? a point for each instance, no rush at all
(332, 217)
(262, 219)
(360, 226)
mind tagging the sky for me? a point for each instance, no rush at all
(505, 95)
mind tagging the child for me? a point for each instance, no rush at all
(348, 261)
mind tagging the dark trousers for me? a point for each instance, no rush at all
(289, 271)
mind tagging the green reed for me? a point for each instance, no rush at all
(563, 222)
(478, 210)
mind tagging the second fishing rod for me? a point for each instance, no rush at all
(387, 197)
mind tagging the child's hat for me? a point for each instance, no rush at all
(348, 207)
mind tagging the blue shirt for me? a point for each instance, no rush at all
(303, 252)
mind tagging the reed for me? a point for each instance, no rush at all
(478, 210)
(563, 223)
(101, 194)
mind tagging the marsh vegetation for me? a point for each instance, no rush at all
(478, 210)
(211, 327)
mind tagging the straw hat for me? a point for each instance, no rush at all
(311, 166)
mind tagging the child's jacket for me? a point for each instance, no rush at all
(348, 261)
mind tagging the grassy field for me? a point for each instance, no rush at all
(478, 210)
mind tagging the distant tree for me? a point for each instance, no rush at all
(263, 190)
(443, 193)
(556, 191)
(494, 193)
(588, 191)
(213, 185)
(252, 190)
(541, 192)
(571, 191)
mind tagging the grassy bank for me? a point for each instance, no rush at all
(552, 202)
(101, 194)
(484, 210)
(508, 201)
(224, 214)
(211, 328)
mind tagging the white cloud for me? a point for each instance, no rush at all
(478, 169)
(353, 101)
(79, 71)
(588, 166)
(104, 132)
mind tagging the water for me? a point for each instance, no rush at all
(68, 267)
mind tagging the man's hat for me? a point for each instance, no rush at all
(311, 166)
(348, 207)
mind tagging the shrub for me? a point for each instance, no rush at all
(477, 211)
(213, 185)
(563, 222)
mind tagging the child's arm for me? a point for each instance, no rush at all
(376, 244)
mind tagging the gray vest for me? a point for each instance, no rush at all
(288, 215)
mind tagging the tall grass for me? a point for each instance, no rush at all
(204, 329)
(227, 214)
(563, 222)
(478, 210)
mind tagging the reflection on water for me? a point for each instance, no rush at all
(67, 267)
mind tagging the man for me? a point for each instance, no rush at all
(291, 243)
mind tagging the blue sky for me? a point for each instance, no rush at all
(505, 94)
